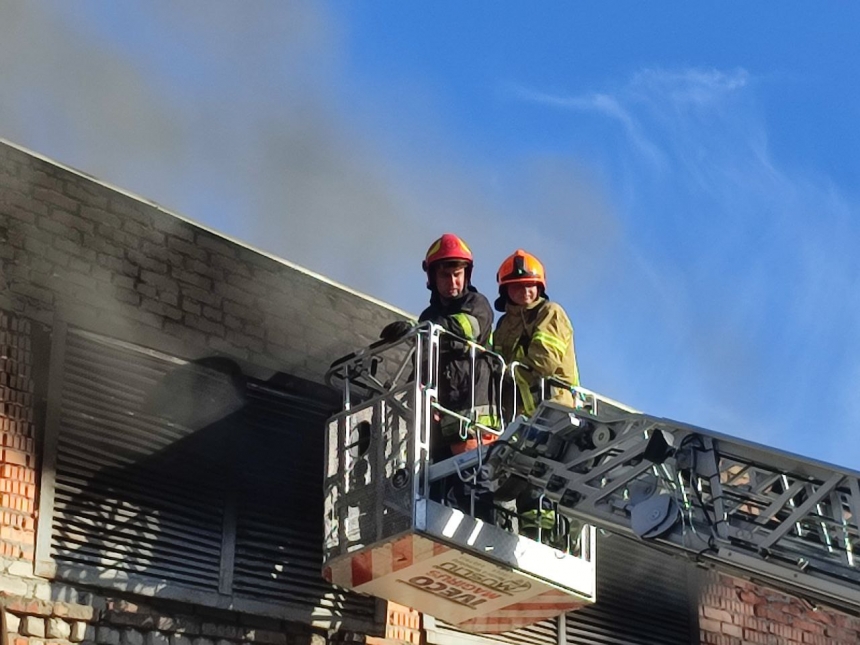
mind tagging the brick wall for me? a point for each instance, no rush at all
(74, 248)
(84, 616)
(77, 251)
(736, 612)
(17, 432)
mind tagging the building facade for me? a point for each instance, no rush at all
(162, 405)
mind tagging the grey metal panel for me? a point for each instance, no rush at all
(542, 633)
(279, 534)
(643, 598)
(137, 497)
(122, 501)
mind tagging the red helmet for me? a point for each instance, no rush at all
(449, 247)
(521, 267)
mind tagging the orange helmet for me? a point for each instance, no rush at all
(521, 267)
(449, 247)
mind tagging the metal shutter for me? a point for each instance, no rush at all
(644, 597)
(121, 504)
(279, 534)
(227, 515)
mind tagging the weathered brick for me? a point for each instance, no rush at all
(128, 619)
(266, 636)
(147, 262)
(717, 614)
(73, 248)
(210, 298)
(86, 198)
(169, 297)
(127, 296)
(146, 290)
(31, 243)
(82, 632)
(57, 628)
(103, 247)
(162, 282)
(161, 308)
(220, 630)
(241, 340)
(121, 237)
(44, 180)
(26, 290)
(144, 317)
(191, 278)
(13, 623)
(156, 638)
(212, 314)
(56, 228)
(71, 221)
(220, 345)
(230, 265)
(25, 203)
(123, 281)
(100, 216)
(73, 611)
(220, 246)
(249, 285)
(76, 264)
(55, 198)
(205, 269)
(131, 637)
(33, 626)
(185, 248)
(191, 306)
(130, 208)
(204, 325)
(231, 292)
(107, 636)
(21, 214)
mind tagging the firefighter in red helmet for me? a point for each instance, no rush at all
(459, 308)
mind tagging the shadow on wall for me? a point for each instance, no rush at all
(194, 482)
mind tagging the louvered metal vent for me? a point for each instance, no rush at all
(279, 534)
(644, 597)
(217, 503)
(126, 501)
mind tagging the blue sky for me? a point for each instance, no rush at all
(688, 174)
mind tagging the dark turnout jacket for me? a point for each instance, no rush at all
(470, 317)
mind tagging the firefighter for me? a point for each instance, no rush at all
(459, 308)
(535, 332)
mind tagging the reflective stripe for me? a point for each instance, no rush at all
(534, 518)
(469, 325)
(525, 392)
(548, 339)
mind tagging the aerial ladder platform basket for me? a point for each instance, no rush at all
(386, 537)
(778, 519)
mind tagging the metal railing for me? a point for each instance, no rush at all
(407, 374)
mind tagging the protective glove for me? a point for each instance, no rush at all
(393, 331)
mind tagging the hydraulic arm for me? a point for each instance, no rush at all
(783, 520)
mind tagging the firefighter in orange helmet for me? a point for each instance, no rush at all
(537, 333)
(533, 331)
